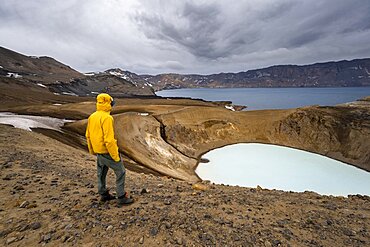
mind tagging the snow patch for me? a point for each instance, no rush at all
(1, 67)
(229, 107)
(56, 93)
(89, 74)
(68, 93)
(94, 92)
(41, 85)
(57, 104)
(15, 75)
(27, 122)
(143, 114)
(116, 73)
(157, 145)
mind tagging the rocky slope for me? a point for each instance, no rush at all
(94, 84)
(23, 72)
(49, 198)
(34, 69)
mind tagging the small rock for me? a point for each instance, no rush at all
(167, 202)
(11, 240)
(287, 234)
(349, 232)
(32, 205)
(259, 188)
(35, 225)
(89, 185)
(329, 222)
(144, 191)
(46, 237)
(22, 228)
(160, 185)
(154, 231)
(331, 206)
(24, 204)
(207, 216)
(199, 186)
(7, 177)
(167, 225)
(179, 241)
(69, 226)
(4, 233)
(267, 244)
(276, 243)
(18, 187)
(110, 227)
(64, 238)
(141, 241)
(70, 239)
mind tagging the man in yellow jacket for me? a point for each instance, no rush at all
(101, 141)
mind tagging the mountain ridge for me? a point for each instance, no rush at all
(344, 73)
(49, 75)
(62, 79)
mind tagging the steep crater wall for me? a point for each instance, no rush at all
(172, 143)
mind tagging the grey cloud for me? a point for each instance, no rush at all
(304, 39)
(277, 10)
(210, 34)
(172, 65)
(197, 34)
(154, 36)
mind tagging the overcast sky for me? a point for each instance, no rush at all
(185, 36)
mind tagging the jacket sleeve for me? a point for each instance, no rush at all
(88, 140)
(109, 141)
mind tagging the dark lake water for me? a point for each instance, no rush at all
(273, 98)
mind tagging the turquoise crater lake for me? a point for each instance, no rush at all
(282, 168)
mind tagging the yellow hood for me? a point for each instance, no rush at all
(103, 101)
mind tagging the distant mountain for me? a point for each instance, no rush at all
(355, 73)
(113, 81)
(59, 78)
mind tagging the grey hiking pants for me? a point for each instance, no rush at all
(104, 162)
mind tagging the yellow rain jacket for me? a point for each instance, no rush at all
(99, 131)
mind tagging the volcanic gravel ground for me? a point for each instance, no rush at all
(49, 197)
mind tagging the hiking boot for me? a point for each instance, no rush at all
(106, 197)
(124, 200)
